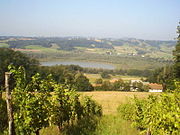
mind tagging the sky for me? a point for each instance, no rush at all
(142, 19)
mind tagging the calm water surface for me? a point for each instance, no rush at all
(80, 63)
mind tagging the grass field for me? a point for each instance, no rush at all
(92, 77)
(122, 61)
(41, 48)
(112, 123)
(4, 45)
(115, 125)
(110, 100)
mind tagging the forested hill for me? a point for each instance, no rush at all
(128, 46)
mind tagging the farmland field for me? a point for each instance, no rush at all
(92, 77)
(110, 100)
(121, 53)
(4, 45)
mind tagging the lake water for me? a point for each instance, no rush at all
(80, 63)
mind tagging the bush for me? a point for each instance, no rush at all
(90, 107)
(87, 124)
(159, 115)
(3, 116)
(127, 111)
(105, 75)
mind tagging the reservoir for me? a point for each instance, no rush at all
(80, 63)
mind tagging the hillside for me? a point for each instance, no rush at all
(126, 53)
(129, 46)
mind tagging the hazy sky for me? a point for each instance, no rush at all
(144, 19)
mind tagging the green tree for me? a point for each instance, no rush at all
(117, 85)
(3, 116)
(177, 55)
(106, 86)
(126, 86)
(105, 75)
(8, 56)
(139, 86)
(164, 76)
(82, 83)
(99, 81)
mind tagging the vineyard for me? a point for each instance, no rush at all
(156, 115)
(41, 103)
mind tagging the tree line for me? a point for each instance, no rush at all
(61, 74)
(167, 74)
(119, 85)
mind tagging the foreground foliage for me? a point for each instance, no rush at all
(176, 54)
(3, 115)
(158, 115)
(40, 103)
(114, 125)
(8, 56)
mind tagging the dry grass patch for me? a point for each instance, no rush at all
(110, 100)
(92, 77)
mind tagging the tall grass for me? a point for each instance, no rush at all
(115, 125)
(107, 125)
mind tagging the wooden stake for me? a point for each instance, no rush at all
(9, 105)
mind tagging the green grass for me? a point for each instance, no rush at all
(107, 125)
(92, 77)
(115, 125)
(47, 51)
(35, 47)
(4, 45)
(52, 130)
(110, 100)
(41, 48)
(128, 78)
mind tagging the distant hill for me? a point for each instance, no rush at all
(126, 46)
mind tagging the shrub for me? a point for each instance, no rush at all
(3, 116)
(160, 115)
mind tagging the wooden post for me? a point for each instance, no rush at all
(9, 105)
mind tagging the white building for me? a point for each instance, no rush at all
(154, 87)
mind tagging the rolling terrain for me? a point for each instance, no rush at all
(127, 53)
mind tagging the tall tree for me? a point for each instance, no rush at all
(8, 56)
(82, 83)
(177, 55)
(164, 76)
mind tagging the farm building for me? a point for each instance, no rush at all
(154, 87)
